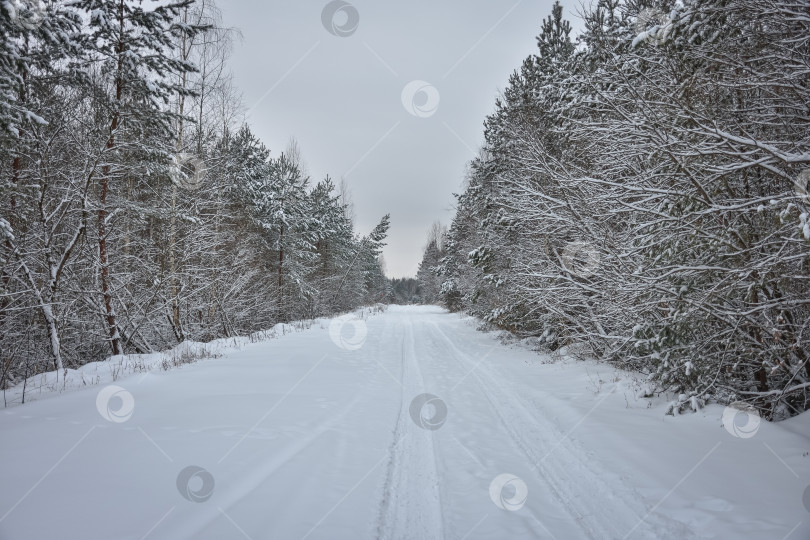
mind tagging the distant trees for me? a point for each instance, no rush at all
(405, 291)
(136, 211)
(645, 193)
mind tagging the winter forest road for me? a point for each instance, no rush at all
(328, 433)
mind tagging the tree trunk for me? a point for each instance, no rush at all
(173, 288)
(280, 272)
(103, 258)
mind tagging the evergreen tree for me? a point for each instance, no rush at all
(639, 199)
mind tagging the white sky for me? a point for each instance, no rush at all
(340, 97)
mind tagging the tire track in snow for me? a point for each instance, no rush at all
(599, 509)
(517, 443)
(391, 468)
(429, 442)
(411, 502)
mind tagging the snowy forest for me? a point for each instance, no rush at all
(211, 327)
(643, 193)
(137, 209)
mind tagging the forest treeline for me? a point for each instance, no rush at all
(643, 192)
(137, 210)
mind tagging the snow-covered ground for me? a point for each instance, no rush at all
(327, 433)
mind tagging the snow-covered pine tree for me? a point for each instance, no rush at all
(137, 78)
(429, 280)
(334, 245)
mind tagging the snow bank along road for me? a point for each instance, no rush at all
(410, 424)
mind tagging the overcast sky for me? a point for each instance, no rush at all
(341, 96)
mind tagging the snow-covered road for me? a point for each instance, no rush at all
(416, 427)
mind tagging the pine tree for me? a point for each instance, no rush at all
(132, 45)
